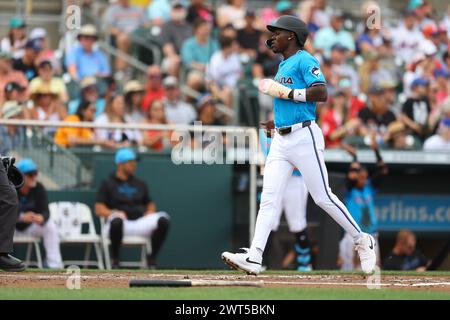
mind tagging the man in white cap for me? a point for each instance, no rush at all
(12, 137)
(84, 60)
(176, 111)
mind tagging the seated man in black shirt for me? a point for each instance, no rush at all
(27, 64)
(34, 214)
(125, 202)
(405, 256)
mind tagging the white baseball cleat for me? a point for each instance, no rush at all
(241, 261)
(365, 245)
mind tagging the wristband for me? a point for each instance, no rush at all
(299, 95)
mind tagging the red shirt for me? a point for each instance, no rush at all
(151, 96)
(330, 122)
(355, 106)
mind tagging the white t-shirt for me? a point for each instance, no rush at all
(225, 71)
(179, 112)
(116, 135)
(436, 143)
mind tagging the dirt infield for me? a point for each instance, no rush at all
(121, 280)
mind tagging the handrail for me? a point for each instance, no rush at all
(128, 58)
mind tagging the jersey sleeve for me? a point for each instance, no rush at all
(310, 70)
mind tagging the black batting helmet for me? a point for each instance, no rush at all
(290, 23)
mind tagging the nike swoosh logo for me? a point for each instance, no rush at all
(371, 244)
(250, 261)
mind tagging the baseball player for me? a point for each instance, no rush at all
(294, 203)
(298, 142)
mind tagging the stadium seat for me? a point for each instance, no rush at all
(130, 241)
(70, 217)
(30, 242)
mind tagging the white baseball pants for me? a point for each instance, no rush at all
(294, 202)
(303, 148)
(49, 234)
(144, 226)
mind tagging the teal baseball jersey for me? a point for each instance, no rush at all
(299, 71)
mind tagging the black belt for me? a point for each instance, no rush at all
(286, 130)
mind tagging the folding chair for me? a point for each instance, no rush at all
(30, 242)
(130, 241)
(70, 217)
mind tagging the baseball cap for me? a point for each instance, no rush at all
(414, 4)
(35, 45)
(38, 33)
(376, 90)
(88, 82)
(16, 22)
(339, 47)
(203, 100)
(44, 63)
(11, 109)
(178, 4)
(124, 155)
(170, 82)
(283, 5)
(419, 82)
(10, 86)
(133, 86)
(446, 122)
(27, 166)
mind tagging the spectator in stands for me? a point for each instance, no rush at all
(441, 140)
(176, 110)
(84, 59)
(12, 137)
(340, 67)
(134, 93)
(158, 12)
(121, 20)
(407, 38)
(224, 71)
(115, 113)
(153, 88)
(196, 53)
(442, 85)
(173, 33)
(232, 12)
(327, 37)
(376, 116)
(416, 110)
(398, 137)
(335, 122)
(14, 42)
(361, 188)
(8, 75)
(405, 256)
(34, 216)
(156, 139)
(372, 72)
(27, 63)
(284, 7)
(206, 109)
(370, 39)
(69, 137)
(14, 92)
(40, 34)
(46, 78)
(47, 106)
(124, 201)
(198, 9)
(89, 93)
(315, 13)
(248, 37)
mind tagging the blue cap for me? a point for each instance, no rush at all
(16, 22)
(441, 73)
(124, 155)
(283, 5)
(27, 166)
(414, 4)
(446, 122)
(339, 47)
(35, 44)
(419, 82)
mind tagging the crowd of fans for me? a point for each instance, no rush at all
(392, 79)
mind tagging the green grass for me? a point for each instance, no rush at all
(219, 294)
(227, 293)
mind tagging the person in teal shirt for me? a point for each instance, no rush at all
(325, 38)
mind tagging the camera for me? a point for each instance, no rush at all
(7, 162)
(14, 175)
